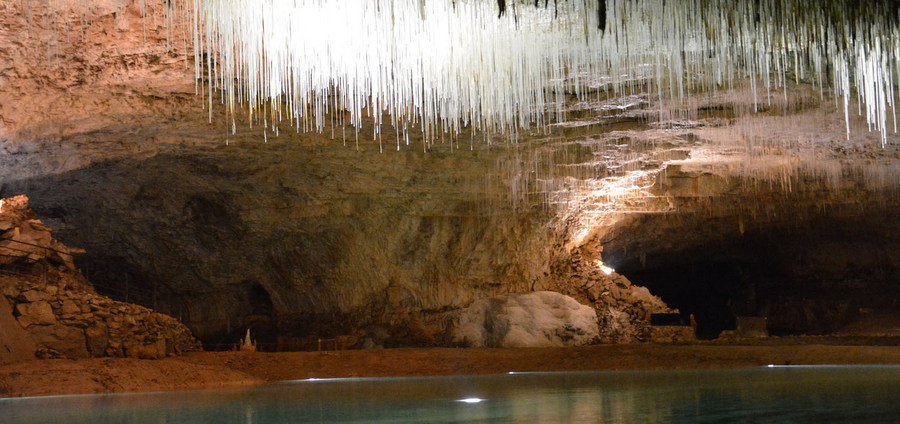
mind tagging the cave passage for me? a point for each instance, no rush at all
(814, 277)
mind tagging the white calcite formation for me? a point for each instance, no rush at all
(539, 319)
(437, 67)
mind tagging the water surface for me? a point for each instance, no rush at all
(762, 395)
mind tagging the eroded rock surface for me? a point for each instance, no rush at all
(52, 312)
(311, 236)
(539, 319)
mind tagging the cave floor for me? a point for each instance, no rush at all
(211, 370)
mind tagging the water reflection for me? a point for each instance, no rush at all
(796, 395)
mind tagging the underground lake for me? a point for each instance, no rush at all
(772, 394)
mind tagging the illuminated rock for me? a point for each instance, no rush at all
(527, 320)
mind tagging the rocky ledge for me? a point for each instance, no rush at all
(48, 310)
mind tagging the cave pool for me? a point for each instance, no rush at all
(772, 394)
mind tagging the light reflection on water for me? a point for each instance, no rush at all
(764, 395)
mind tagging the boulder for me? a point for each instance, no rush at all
(25, 237)
(36, 313)
(9, 290)
(16, 344)
(33, 296)
(536, 319)
(69, 307)
(147, 351)
(97, 338)
(68, 341)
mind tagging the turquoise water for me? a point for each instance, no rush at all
(762, 395)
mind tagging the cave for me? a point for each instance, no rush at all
(203, 194)
(811, 277)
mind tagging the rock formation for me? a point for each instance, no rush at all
(538, 319)
(48, 310)
(623, 309)
(25, 238)
(312, 236)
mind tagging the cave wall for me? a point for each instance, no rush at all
(813, 259)
(318, 235)
(301, 234)
(223, 236)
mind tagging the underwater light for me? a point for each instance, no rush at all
(471, 400)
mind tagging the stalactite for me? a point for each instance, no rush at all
(443, 65)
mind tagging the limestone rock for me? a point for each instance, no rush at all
(623, 309)
(97, 339)
(16, 344)
(155, 350)
(68, 341)
(62, 313)
(672, 335)
(27, 238)
(527, 320)
(69, 307)
(37, 313)
(33, 296)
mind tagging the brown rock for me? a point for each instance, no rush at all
(97, 339)
(76, 323)
(37, 225)
(149, 351)
(16, 344)
(594, 292)
(162, 348)
(10, 291)
(67, 340)
(26, 241)
(69, 307)
(37, 313)
(33, 296)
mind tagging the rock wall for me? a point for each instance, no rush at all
(16, 344)
(64, 322)
(811, 254)
(56, 312)
(343, 234)
(623, 309)
(298, 237)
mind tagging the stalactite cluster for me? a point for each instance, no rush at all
(438, 66)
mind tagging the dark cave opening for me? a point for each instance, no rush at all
(257, 315)
(703, 288)
(814, 277)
